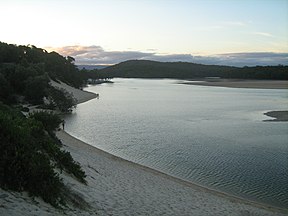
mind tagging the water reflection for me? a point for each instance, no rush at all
(212, 136)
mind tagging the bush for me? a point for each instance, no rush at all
(66, 161)
(35, 89)
(61, 99)
(29, 156)
(25, 109)
(49, 120)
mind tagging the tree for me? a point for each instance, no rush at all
(49, 120)
(5, 89)
(35, 89)
(29, 156)
(61, 99)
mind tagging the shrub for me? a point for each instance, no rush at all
(49, 120)
(61, 99)
(35, 89)
(29, 156)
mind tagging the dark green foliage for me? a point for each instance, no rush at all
(30, 151)
(29, 156)
(49, 120)
(36, 89)
(184, 70)
(59, 67)
(95, 74)
(9, 53)
(24, 109)
(61, 99)
(5, 89)
(20, 65)
(67, 163)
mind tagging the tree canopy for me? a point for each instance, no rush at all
(26, 71)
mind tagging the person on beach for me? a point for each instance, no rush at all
(63, 124)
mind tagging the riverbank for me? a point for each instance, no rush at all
(119, 187)
(80, 95)
(240, 83)
(277, 115)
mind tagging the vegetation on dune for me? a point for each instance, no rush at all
(27, 70)
(61, 99)
(30, 156)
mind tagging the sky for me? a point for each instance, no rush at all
(229, 32)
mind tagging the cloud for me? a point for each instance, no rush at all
(234, 23)
(253, 58)
(221, 25)
(265, 34)
(96, 55)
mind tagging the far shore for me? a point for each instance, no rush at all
(277, 115)
(239, 83)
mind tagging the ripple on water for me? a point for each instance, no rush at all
(214, 137)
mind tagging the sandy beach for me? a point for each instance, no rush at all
(119, 187)
(80, 95)
(231, 83)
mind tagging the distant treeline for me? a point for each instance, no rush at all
(184, 70)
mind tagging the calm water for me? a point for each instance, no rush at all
(212, 136)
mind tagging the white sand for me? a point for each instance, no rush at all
(240, 83)
(119, 187)
(80, 96)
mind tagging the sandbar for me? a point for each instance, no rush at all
(240, 83)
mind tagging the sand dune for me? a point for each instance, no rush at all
(80, 96)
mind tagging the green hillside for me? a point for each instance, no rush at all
(184, 70)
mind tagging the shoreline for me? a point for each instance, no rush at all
(260, 84)
(80, 95)
(279, 116)
(84, 96)
(116, 186)
(239, 83)
(64, 136)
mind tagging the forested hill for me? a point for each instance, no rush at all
(18, 62)
(27, 70)
(184, 70)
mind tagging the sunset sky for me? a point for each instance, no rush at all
(234, 32)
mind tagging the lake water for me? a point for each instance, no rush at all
(212, 136)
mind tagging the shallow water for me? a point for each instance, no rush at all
(212, 136)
